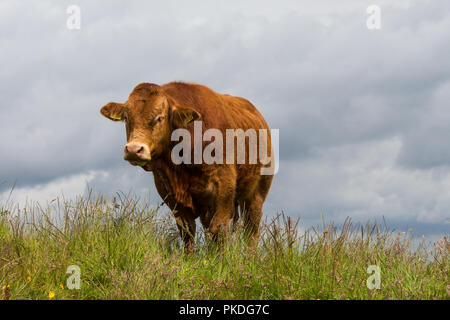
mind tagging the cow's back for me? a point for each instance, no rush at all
(219, 111)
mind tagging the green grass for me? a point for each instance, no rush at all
(127, 250)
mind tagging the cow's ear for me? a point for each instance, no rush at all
(113, 111)
(181, 116)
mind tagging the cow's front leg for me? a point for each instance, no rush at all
(186, 226)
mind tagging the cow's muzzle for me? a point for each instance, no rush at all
(138, 154)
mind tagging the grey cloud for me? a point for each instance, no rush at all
(426, 145)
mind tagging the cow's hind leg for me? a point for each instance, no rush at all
(253, 213)
(252, 218)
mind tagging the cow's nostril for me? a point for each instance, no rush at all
(135, 152)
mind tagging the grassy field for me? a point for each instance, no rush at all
(127, 250)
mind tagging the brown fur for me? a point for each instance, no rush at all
(211, 192)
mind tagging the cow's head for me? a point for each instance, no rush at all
(150, 117)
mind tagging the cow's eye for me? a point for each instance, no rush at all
(155, 121)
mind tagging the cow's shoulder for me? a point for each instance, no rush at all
(187, 90)
(199, 97)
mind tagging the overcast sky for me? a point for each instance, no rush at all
(364, 115)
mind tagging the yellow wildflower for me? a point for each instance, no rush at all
(51, 294)
(29, 279)
(61, 286)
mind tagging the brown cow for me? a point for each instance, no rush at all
(212, 192)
